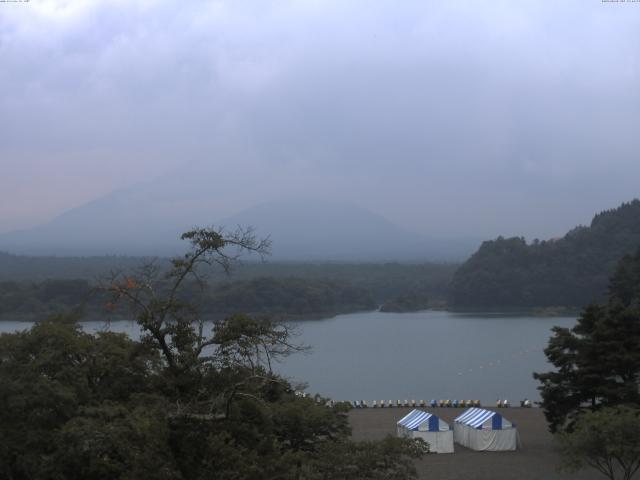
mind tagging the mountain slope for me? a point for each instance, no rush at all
(571, 271)
(312, 229)
(145, 221)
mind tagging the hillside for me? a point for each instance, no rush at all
(571, 271)
(144, 221)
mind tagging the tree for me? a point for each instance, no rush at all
(389, 459)
(571, 271)
(53, 375)
(597, 361)
(607, 440)
(190, 400)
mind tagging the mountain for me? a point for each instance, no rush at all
(312, 229)
(571, 271)
(145, 221)
(125, 222)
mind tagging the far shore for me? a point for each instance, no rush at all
(518, 312)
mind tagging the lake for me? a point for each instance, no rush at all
(423, 355)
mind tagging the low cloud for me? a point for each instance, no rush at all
(459, 117)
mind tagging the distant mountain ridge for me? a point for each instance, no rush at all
(571, 271)
(312, 229)
(146, 223)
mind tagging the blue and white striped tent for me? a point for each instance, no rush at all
(433, 430)
(481, 429)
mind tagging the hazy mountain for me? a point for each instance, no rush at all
(125, 222)
(314, 229)
(147, 221)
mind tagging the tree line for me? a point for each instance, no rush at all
(571, 271)
(282, 297)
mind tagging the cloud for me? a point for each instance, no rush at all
(417, 110)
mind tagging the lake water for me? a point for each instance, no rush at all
(423, 355)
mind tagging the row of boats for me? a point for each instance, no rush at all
(434, 403)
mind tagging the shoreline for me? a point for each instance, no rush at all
(549, 312)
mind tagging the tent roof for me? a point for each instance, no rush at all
(474, 417)
(414, 419)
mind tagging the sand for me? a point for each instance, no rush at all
(535, 460)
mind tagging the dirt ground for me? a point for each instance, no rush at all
(535, 460)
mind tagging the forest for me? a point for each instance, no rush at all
(33, 287)
(570, 271)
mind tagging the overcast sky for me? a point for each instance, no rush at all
(448, 117)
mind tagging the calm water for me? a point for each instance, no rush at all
(422, 355)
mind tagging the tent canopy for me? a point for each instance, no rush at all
(483, 419)
(420, 420)
(436, 432)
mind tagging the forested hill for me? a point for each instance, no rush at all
(571, 271)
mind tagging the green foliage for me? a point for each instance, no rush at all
(351, 286)
(390, 459)
(283, 297)
(607, 440)
(571, 271)
(407, 302)
(49, 375)
(182, 403)
(597, 361)
(41, 299)
(287, 296)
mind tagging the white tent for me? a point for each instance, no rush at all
(481, 429)
(436, 432)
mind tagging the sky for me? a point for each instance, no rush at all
(447, 117)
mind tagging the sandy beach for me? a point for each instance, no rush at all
(536, 460)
